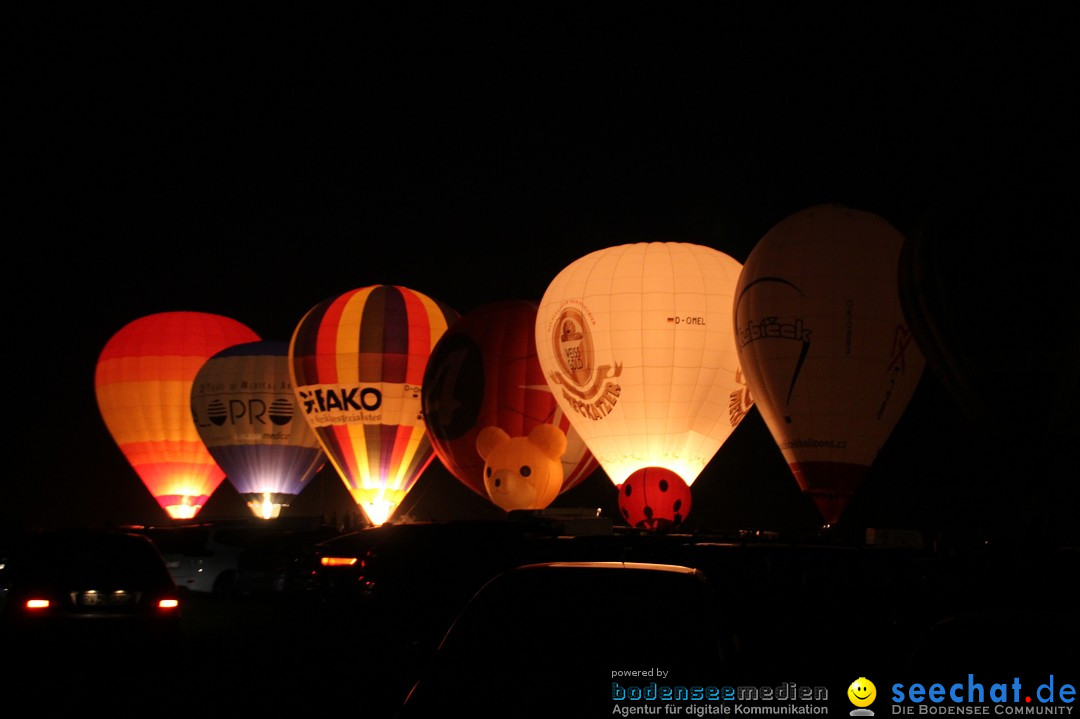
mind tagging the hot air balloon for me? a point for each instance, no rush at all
(484, 372)
(825, 347)
(654, 498)
(357, 362)
(637, 344)
(244, 407)
(988, 286)
(143, 383)
(993, 261)
(522, 472)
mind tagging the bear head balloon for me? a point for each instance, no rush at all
(522, 472)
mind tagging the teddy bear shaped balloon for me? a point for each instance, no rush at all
(522, 472)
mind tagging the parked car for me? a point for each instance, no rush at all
(204, 557)
(201, 557)
(552, 639)
(75, 583)
(279, 563)
(425, 571)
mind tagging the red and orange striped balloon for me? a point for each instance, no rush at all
(357, 363)
(143, 383)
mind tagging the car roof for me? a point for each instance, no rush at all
(79, 552)
(640, 566)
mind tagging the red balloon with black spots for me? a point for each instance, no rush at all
(654, 498)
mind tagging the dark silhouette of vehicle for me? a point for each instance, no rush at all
(552, 639)
(80, 583)
(279, 563)
(205, 557)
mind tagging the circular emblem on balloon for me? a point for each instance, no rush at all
(636, 342)
(484, 372)
(575, 346)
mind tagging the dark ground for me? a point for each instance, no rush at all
(817, 614)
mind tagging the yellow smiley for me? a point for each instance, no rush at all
(862, 692)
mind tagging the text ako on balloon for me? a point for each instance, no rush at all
(357, 362)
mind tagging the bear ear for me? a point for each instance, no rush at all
(489, 438)
(550, 439)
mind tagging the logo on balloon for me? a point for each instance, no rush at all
(575, 347)
(586, 387)
(335, 404)
(739, 400)
(281, 411)
(250, 411)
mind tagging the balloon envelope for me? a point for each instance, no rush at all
(143, 381)
(245, 409)
(987, 286)
(825, 346)
(637, 344)
(484, 371)
(654, 498)
(357, 363)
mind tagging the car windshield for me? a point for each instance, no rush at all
(105, 557)
(586, 614)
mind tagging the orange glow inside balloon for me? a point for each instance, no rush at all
(636, 342)
(357, 362)
(143, 381)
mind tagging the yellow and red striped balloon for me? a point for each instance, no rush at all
(357, 363)
(143, 381)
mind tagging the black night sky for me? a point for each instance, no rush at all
(253, 166)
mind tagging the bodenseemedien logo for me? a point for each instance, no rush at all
(862, 694)
(680, 699)
(972, 696)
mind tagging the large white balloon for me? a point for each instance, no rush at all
(638, 346)
(827, 352)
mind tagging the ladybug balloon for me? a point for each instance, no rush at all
(654, 498)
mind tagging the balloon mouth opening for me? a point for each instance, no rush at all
(831, 505)
(267, 505)
(181, 506)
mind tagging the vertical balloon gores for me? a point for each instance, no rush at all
(484, 372)
(636, 342)
(245, 409)
(357, 362)
(143, 381)
(826, 349)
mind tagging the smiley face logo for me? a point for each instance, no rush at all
(862, 692)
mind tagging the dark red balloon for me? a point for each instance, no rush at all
(989, 288)
(654, 498)
(484, 372)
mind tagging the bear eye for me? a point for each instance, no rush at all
(488, 470)
(525, 470)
